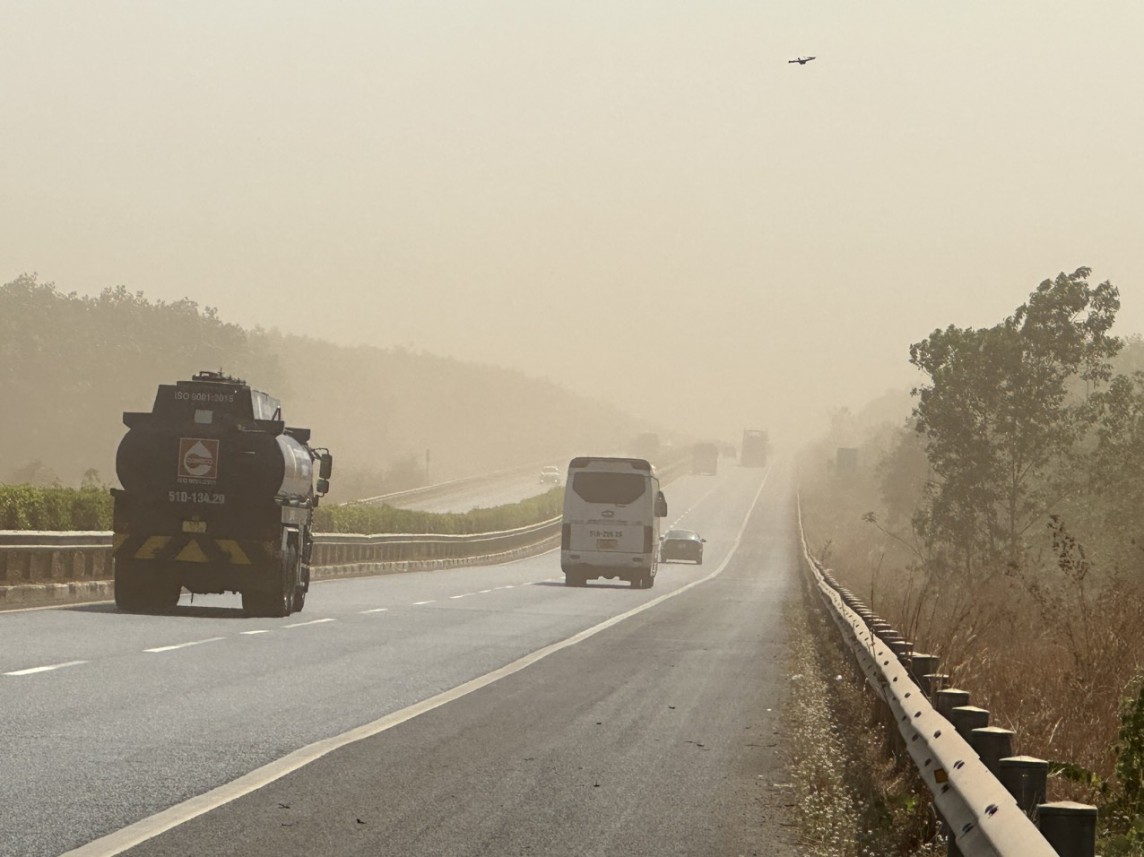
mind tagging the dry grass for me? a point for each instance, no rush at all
(1051, 657)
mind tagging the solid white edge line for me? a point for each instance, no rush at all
(183, 645)
(152, 826)
(48, 668)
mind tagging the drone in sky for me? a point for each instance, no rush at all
(801, 60)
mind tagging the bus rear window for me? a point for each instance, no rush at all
(617, 488)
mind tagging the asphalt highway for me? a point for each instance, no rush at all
(487, 495)
(486, 711)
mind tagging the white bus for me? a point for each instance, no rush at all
(612, 508)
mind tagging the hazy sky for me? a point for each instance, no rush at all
(641, 200)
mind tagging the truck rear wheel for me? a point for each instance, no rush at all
(281, 601)
(164, 595)
(128, 593)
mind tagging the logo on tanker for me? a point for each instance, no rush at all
(198, 458)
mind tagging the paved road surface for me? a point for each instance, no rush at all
(657, 734)
(511, 489)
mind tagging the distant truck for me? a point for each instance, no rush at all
(705, 458)
(612, 508)
(756, 444)
(218, 496)
(646, 445)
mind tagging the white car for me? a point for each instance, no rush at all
(550, 474)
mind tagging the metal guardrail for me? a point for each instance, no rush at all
(342, 548)
(38, 557)
(29, 556)
(982, 816)
(10, 539)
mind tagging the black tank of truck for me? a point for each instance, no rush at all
(218, 496)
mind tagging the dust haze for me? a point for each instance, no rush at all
(640, 201)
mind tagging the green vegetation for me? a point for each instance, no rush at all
(360, 518)
(999, 525)
(27, 507)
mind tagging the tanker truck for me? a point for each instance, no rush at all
(218, 496)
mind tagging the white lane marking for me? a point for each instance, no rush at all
(466, 595)
(510, 586)
(148, 828)
(419, 603)
(184, 645)
(484, 592)
(261, 631)
(48, 668)
(311, 622)
(374, 610)
(692, 507)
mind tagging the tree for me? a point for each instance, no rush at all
(997, 412)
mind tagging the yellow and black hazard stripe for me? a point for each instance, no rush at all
(186, 547)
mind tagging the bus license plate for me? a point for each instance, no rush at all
(194, 526)
(607, 544)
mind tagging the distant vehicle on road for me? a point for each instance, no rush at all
(612, 508)
(705, 458)
(647, 446)
(682, 544)
(755, 448)
(550, 475)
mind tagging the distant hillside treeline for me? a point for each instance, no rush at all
(70, 365)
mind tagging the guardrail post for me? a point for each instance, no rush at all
(1026, 778)
(922, 664)
(902, 649)
(966, 718)
(951, 849)
(934, 683)
(992, 744)
(1069, 827)
(949, 698)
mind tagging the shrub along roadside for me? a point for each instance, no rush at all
(386, 519)
(27, 507)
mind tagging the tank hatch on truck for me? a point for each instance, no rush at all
(210, 393)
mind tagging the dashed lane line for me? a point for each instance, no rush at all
(311, 622)
(47, 668)
(419, 603)
(183, 645)
(150, 827)
(259, 631)
(692, 507)
(374, 610)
